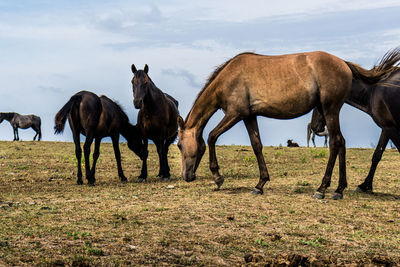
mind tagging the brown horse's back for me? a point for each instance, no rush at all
(282, 87)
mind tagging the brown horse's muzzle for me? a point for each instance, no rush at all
(138, 103)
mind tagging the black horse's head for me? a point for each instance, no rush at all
(135, 141)
(140, 84)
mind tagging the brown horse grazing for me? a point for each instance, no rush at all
(97, 117)
(157, 119)
(24, 122)
(317, 126)
(282, 87)
(380, 100)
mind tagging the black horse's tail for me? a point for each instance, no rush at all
(61, 116)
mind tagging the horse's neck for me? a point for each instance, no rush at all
(9, 115)
(203, 108)
(360, 96)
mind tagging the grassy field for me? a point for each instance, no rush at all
(48, 220)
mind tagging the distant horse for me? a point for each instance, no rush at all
(381, 101)
(157, 118)
(290, 143)
(317, 126)
(24, 122)
(282, 87)
(97, 117)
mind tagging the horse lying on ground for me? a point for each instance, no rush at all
(24, 122)
(157, 119)
(380, 100)
(290, 143)
(282, 87)
(317, 126)
(97, 117)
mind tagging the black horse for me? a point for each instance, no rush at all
(157, 118)
(380, 100)
(97, 117)
(317, 126)
(24, 122)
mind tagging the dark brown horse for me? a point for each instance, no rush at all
(317, 126)
(24, 122)
(290, 143)
(380, 100)
(97, 117)
(282, 87)
(157, 118)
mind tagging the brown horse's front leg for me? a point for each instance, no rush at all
(254, 134)
(96, 154)
(225, 124)
(78, 154)
(117, 153)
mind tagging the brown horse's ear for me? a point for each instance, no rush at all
(134, 70)
(181, 122)
(146, 69)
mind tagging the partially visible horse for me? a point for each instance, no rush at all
(157, 118)
(24, 122)
(282, 87)
(381, 101)
(290, 143)
(317, 126)
(97, 117)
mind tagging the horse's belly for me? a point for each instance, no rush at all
(285, 106)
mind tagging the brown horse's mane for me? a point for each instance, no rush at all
(217, 71)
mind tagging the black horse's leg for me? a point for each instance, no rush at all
(168, 142)
(143, 172)
(313, 139)
(115, 141)
(225, 124)
(254, 134)
(15, 134)
(86, 152)
(366, 186)
(78, 154)
(326, 141)
(336, 146)
(96, 154)
(160, 151)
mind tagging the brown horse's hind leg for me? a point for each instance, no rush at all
(78, 154)
(254, 134)
(336, 146)
(96, 154)
(225, 124)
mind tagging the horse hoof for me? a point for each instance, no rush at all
(79, 182)
(360, 190)
(91, 184)
(318, 195)
(166, 179)
(257, 191)
(337, 196)
(141, 180)
(124, 180)
(219, 182)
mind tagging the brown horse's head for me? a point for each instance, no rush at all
(192, 149)
(140, 85)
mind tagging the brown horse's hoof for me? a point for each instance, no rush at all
(318, 195)
(124, 181)
(79, 182)
(257, 191)
(91, 184)
(337, 196)
(141, 180)
(166, 179)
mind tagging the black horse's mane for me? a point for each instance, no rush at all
(118, 109)
(389, 62)
(8, 115)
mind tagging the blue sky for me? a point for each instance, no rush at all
(52, 49)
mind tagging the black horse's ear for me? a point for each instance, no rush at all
(134, 70)
(146, 69)
(181, 123)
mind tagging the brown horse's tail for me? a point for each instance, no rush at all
(61, 116)
(371, 76)
(308, 133)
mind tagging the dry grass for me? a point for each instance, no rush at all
(46, 219)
